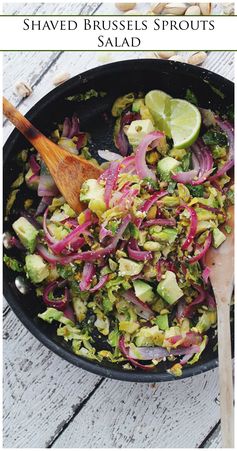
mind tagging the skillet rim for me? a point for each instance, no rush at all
(86, 364)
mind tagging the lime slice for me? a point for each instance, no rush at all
(158, 103)
(184, 123)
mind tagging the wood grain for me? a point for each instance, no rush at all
(146, 415)
(42, 391)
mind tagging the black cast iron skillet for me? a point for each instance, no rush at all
(95, 117)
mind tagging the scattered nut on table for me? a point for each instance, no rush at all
(151, 55)
(205, 8)
(125, 6)
(175, 9)
(60, 78)
(157, 8)
(193, 10)
(197, 58)
(22, 89)
(166, 54)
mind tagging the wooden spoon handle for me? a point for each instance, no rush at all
(225, 376)
(50, 152)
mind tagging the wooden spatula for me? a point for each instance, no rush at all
(68, 171)
(221, 263)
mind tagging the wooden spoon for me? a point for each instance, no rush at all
(68, 171)
(221, 264)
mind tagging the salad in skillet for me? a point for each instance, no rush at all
(126, 279)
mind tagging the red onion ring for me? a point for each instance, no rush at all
(193, 226)
(140, 157)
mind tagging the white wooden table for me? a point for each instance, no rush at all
(49, 402)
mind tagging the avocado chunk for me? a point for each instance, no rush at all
(166, 167)
(91, 190)
(143, 291)
(162, 322)
(129, 267)
(168, 288)
(36, 268)
(218, 237)
(26, 233)
(138, 129)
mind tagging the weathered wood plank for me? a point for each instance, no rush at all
(42, 391)
(214, 441)
(166, 415)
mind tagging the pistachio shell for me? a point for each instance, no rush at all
(22, 89)
(60, 78)
(157, 8)
(205, 8)
(175, 9)
(193, 10)
(166, 55)
(197, 58)
(125, 6)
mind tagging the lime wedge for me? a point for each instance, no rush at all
(158, 103)
(184, 123)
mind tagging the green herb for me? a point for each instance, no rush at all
(171, 187)
(134, 232)
(86, 95)
(213, 138)
(12, 263)
(186, 161)
(196, 191)
(190, 97)
(151, 182)
(86, 153)
(65, 271)
(230, 113)
(112, 226)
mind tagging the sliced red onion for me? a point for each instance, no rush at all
(14, 242)
(164, 263)
(211, 303)
(125, 351)
(228, 129)
(121, 140)
(69, 313)
(58, 246)
(111, 180)
(45, 201)
(206, 274)
(87, 276)
(140, 157)
(81, 140)
(157, 352)
(75, 128)
(127, 164)
(103, 280)
(34, 166)
(185, 177)
(193, 225)
(135, 252)
(189, 339)
(203, 252)
(144, 310)
(109, 156)
(66, 127)
(212, 209)
(59, 304)
(46, 186)
(104, 233)
(148, 204)
(49, 238)
(202, 165)
(158, 221)
(190, 308)
(227, 166)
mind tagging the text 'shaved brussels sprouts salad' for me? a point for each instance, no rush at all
(126, 280)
